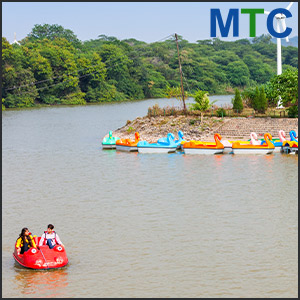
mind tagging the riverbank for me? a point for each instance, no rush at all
(153, 128)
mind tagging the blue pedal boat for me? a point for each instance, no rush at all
(166, 145)
(177, 142)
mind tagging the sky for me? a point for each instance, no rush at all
(145, 21)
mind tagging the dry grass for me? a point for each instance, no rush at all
(156, 111)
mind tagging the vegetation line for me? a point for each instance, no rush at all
(52, 66)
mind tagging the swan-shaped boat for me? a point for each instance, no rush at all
(292, 145)
(200, 147)
(253, 139)
(228, 143)
(165, 146)
(109, 142)
(128, 144)
(268, 148)
(42, 257)
(293, 136)
(178, 142)
(277, 142)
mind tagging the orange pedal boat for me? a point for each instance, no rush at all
(267, 148)
(128, 144)
(199, 147)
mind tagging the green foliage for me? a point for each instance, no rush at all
(237, 101)
(258, 99)
(262, 103)
(3, 107)
(239, 74)
(74, 99)
(51, 99)
(202, 101)
(130, 129)
(53, 67)
(293, 111)
(176, 92)
(221, 112)
(285, 86)
(52, 32)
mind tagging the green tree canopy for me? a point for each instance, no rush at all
(285, 86)
(52, 32)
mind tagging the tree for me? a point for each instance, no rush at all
(285, 86)
(202, 102)
(264, 38)
(175, 92)
(237, 101)
(238, 73)
(52, 32)
(262, 103)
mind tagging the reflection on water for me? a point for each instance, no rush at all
(156, 225)
(42, 283)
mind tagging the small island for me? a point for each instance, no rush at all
(233, 128)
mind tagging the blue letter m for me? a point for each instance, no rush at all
(216, 14)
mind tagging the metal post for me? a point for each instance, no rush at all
(182, 91)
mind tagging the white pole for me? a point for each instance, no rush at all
(279, 64)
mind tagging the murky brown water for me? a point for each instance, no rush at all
(144, 225)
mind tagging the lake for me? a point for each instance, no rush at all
(144, 225)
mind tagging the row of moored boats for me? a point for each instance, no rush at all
(169, 144)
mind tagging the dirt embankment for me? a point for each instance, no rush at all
(153, 128)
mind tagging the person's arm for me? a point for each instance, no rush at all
(18, 245)
(59, 241)
(32, 240)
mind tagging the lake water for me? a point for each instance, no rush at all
(152, 225)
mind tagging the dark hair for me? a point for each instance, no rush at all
(50, 226)
(22, 236)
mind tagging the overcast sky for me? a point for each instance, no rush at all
(144, 21)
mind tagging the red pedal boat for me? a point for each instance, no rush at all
(42, 258)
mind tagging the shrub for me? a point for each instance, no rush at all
(293, 111)
(221, 112)
(237, 101)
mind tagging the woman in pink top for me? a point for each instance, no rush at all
(50, 238)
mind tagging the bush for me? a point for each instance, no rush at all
(50, 99)
(293, 111)
(74, 99)
(221, 112)
(237, 101)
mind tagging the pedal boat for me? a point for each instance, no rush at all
(199, 147)
(292, 145)
(166, 146)
(109, 142)
(127, 144)
(278, 143)
(177, 142)
(42, 258)
(268, 148)
(228, 143)
(293, 136)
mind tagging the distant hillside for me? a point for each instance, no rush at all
(292, 42)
